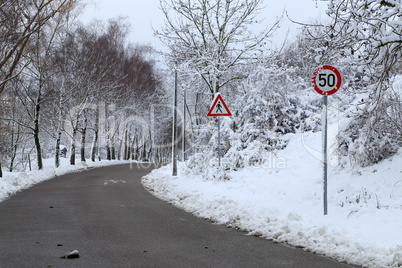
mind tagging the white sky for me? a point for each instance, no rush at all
(143, 14)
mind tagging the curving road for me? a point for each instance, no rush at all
(107, 216)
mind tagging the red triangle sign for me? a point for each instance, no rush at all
(219, 107)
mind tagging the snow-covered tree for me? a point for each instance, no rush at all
(19, 20)
(32, 81)
(213, 37)
(370, 28)
(371, 32)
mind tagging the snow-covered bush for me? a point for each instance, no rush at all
(375, 133)
(272, 104)
(371, 32)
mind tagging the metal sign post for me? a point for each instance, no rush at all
(219, 140)
(183, 146)
(219, 108)
(174, 136)
(325, 138)
(326, 81)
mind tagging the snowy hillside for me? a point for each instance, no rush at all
(282, 201)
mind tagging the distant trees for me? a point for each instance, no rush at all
(107, 81)
(23, 25)
(83, 86)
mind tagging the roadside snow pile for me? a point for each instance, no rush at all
(283, 202)
(13, 182)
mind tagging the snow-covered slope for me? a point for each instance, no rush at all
(283, 201)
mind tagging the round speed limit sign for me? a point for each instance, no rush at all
(326, 80)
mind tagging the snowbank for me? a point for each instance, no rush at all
(283, 202)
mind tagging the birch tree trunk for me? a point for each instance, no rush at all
(94, 146)
(36, 131)
(96, 137)
(113, 149)
(108, 151)
(57, 154)
(15, 138)
(83, 134)
(132, 150)
(72, 157)
(125, 145)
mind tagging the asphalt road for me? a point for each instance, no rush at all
(107, 216)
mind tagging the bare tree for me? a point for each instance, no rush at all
(20, 19)
(78, 74)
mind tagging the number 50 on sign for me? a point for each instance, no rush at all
(326, 80)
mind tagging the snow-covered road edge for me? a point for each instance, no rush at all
(14, 182)
(286, 205)
(288, 229)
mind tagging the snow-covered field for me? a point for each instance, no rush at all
(14, 182)
(283, 201)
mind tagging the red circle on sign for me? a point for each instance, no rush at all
(319, 87)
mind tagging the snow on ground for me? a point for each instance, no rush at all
(13, 182)
(283, 201)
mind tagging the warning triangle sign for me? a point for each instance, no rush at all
(219, 107)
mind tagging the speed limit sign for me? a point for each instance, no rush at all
(326, 80)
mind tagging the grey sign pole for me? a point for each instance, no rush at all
(174, 149)
(219, 140)
(219, 104)
(326, 81)
(183, 146)
(325, 138)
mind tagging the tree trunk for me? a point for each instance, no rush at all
(83, 134)
(119, 150)
(151, 149)
(137, 150)
(37, 130)
(14, 144)
(150, 156)
(29, 162)
(156, 156)
(1, 171)
(129, 148)
(57, 155)
(94, 146)
(95, 143)
(144, 153)
(72, 157)
(38, 149)
(59, 122)
(125, 145)
(108, 151)
(133, 150)
(113, 149)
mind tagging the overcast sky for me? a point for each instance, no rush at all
(143, 14)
